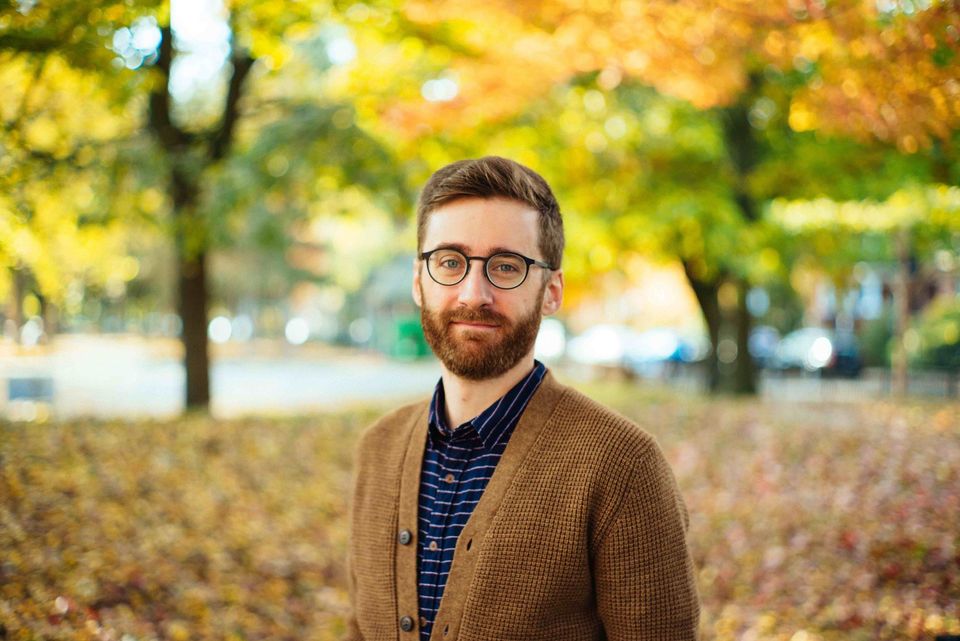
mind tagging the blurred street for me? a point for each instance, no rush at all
(129, 376)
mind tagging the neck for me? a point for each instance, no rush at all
(465, 398)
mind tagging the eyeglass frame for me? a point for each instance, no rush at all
(425, 256)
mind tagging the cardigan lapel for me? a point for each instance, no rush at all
(409, 496)
(525, 434)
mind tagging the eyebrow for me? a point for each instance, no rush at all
(463, 249)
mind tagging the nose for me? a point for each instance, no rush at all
(475, 290)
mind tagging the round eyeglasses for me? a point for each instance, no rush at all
(504, 270)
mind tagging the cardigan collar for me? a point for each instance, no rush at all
(492, 424)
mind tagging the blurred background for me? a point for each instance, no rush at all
(206, 219)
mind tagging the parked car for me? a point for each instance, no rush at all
(634, 352)
(603, 345)
(820, 351)
(762, 344)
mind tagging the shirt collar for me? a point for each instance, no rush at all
(492, 424)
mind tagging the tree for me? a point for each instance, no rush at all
(58, 233)
(911, 224)
(767, 76)
(195, 146)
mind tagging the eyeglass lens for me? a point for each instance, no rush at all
(448, 267)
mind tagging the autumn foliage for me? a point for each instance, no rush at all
(870, 70)
(808, 521)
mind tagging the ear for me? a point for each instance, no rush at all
(417, 298)
(552, 294)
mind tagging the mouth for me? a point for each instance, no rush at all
(474, 325)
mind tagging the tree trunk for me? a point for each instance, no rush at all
(743, 151)
(192, 307)
(901, 303)
(191, 243)
(50, 316)
(745, 374)
(190, 155)
(17, 291)
(706, 293)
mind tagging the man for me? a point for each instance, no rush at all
(508, 506)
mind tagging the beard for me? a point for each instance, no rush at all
(480, 355)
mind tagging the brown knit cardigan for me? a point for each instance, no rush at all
(579, 535)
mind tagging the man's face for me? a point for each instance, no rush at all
(477, 330)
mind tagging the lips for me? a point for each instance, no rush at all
(475, 319)
(474, 325)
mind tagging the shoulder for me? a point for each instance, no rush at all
(594, 428)
(594, 450)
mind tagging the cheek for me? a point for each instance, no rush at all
(433, 296)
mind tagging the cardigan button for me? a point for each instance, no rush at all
(404, 537)
(406, 624)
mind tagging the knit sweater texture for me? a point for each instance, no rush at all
(580, 534)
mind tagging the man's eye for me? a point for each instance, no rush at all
(506, 268)
(450, 262)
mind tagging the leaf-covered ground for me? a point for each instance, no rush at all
(808, 521)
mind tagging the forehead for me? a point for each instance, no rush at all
(482, 224)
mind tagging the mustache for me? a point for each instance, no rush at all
(469, 315)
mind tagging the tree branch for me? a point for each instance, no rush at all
(170, 135)
(223, 137)
(30, 41)
(27, 94)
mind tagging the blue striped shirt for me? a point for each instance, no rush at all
(456, 467)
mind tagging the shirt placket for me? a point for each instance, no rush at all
(451, 470)
(440, 500)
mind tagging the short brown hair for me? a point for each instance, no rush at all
(495, 177)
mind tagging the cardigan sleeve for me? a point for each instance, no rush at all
(353, 631)
(643, 572)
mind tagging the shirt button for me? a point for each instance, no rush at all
(404, 537)
(433, 546)
(406, 624)
(423, 622)
(448, 478)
